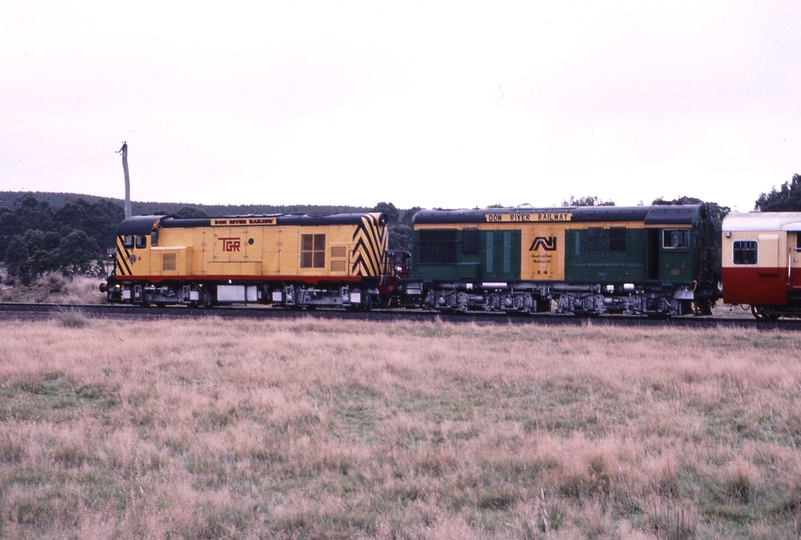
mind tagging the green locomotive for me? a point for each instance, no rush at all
(656, 260)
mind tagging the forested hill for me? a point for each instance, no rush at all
(57, 200)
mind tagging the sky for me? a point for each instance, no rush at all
(431, 104)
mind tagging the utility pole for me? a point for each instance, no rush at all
(124, 152)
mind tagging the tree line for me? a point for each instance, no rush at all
(36, 237)
(785, 199)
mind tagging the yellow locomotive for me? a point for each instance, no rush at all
(287, 260)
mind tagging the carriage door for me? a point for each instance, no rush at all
(794, 255)
(769, 260)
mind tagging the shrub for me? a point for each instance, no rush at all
(73, 318)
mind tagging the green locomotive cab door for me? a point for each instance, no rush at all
(675, 255)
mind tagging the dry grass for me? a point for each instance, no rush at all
(315, 429)
(53, 288)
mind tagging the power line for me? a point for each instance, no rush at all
(49, 152)
(76, 159)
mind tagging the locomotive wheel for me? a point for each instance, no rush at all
(763, 313)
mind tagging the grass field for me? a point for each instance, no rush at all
(318, 429)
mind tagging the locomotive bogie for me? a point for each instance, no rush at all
(348, 297)
(599, 300)
(473, 297)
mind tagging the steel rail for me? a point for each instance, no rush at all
(11, 311)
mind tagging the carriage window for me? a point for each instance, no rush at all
(127, 241)
(745, 251)
(595, 239)
(676, 238)
(312, 251)
(438, 247)
(617, 239)
(141, 241)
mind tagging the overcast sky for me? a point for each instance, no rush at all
(430, 104)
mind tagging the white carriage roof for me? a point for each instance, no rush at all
(763, 221)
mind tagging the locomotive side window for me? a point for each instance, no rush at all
(141, 241)
(617, 239)
(127, 241)
(676, 238)
(745, 251)
(312, 251)
(595, 239)
(437, 247)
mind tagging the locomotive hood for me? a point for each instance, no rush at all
(664, 214)
(146, 224)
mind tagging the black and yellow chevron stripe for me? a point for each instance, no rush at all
(122, 264)
(371, 241)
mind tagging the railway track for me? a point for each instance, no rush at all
(41, 312)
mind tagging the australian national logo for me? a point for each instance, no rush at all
(547, 243)
(230, 244)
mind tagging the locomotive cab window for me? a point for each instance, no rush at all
(745, 251)
(312, 251)
(127, 241)
(141, 241)
(676, 238)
